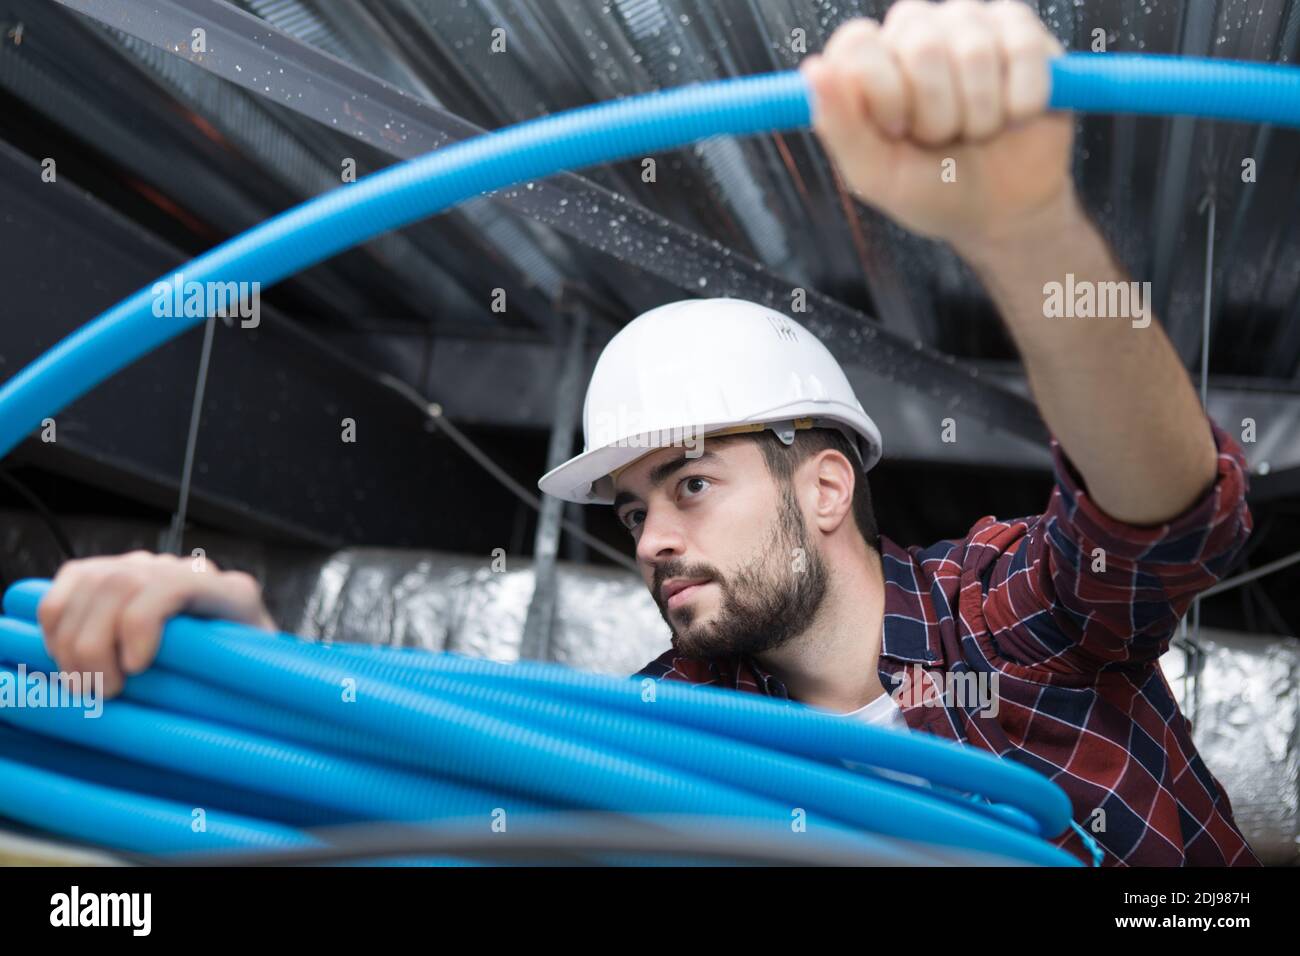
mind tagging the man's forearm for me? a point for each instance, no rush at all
(1111, 389)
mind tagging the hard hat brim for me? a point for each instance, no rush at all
(585, 478)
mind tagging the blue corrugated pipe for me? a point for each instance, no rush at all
(199, 747)
(541, 745)
(107, 816)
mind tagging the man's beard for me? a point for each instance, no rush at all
(766, 603)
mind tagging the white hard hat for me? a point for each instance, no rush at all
(701, 367)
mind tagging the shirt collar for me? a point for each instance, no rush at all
(908, 639)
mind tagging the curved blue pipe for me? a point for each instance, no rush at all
(204, 749)
(723, 755)
(600, 133)
(798, 731)
(92, 766)
(854, 798)
(844, 797)
(792, 729)
(106, 816)
(472, 744)
(850, 798)
(458, 742)
(486, 734)
(1160, 85)
(881, 807)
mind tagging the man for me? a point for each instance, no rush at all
(764, 559)
(760, 546)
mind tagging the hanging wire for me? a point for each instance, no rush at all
(431, 410)
(434, 413)
(1208, 203)
(172, 545)
(1206, 310)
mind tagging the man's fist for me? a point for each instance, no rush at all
(938, 117)
(107, 614)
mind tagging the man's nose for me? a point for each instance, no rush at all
(661, 537)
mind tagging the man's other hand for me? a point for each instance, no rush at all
(106, 614)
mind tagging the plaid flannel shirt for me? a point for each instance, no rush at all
(1081, 696)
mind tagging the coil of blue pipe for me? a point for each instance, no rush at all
(266, 712)
(437, 735)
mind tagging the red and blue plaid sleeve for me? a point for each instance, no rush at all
(1084, 589)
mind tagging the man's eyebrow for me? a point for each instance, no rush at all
(660, 473)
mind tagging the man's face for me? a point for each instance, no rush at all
(722, 520)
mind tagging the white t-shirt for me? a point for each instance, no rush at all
(884, 712)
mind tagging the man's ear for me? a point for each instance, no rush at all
(834, 477)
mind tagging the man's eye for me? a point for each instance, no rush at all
(693, 482)
(694, 478)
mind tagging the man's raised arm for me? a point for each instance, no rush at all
(938, 118)
(1111, 389)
